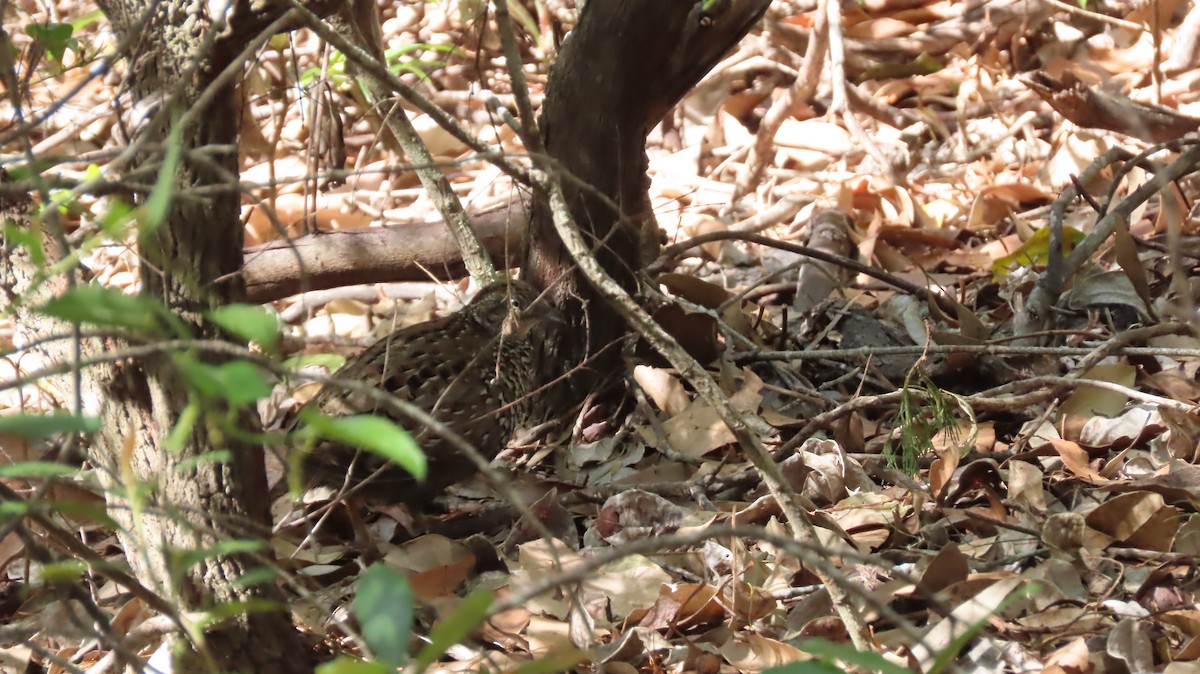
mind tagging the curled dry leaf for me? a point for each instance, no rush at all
(636, 514)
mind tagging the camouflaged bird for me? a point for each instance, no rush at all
(472, 370)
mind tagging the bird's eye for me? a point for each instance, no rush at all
(514, 303)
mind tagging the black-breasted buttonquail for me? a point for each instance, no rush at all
(473, 370)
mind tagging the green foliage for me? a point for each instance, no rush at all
(111, 308)
(922, 416)
(806, 667)
(182, 432)
(214, 456)
(116, 219)
(454, 628)
(1036, 250)
(55, 38)
(845, 653)
(65, 571)
(87, 19)
(330, 361)
(384, 605)
(27, 238)
(348, 665)
(183, 561)
(251, 323)
(89, 511)
(399, 65)
(217, 393)
(236, 382)
(377, 435)
(154, 212)
(40, 426)
(27, 470)
(394, 58)
(232, 610)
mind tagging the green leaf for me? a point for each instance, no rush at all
(68, 570)
(251, 323)
(344, 664)
(214, 456)
(329, 361)
(244, 382)
(36, 469)
(384, 607)
(1036, 250)
(184, 560)
(87, 19)
(117, 218)
(182, 432)
(552, 663)
(79, 510)
(469, 614)
(65, 201)
(38, 426)
(28, 237)
(13, 509)
(55, 37)
(375, 434)
(828, 650)
(259, 575)
(237, 382)
(155, 210)
(221, 613)
(98, 305)
(806, 667)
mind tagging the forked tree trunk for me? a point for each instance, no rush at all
(620, 70)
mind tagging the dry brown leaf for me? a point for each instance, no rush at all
(699, 430)
(1088, 401)
(1128, 643)
(753, 653)
(999, 201)
(1076, 459)
(1140, 518)
(437, 566)
(696, 224)
(1025, 486)
(1071, 658)
(687, 607)
(979, 605)
(664, 388)
(947, 567)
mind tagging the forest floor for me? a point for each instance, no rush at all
(1011, 495)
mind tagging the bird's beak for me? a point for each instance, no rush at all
(543, 311)
(540, 314)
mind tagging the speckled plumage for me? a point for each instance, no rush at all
(471, 370)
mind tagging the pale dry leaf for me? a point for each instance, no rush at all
(1129, 643)
(978, 608)
(663, 387)
(753, 652)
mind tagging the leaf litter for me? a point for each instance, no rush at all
(1044, 517)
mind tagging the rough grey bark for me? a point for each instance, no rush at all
(195, 503)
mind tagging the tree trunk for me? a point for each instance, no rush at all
(184, 505)
(621, 69)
